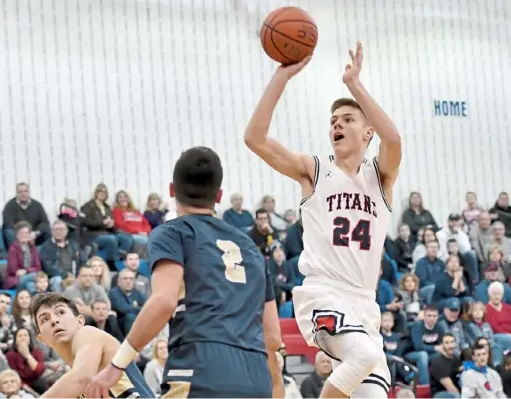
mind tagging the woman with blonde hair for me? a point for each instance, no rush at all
(154, 212)
(100, 271)
(100, 227)
(153, 372)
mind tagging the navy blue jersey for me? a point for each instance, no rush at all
(226, 282)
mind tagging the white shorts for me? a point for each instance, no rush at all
(325, 308)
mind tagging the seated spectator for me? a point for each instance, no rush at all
(454, 231)
(25, 209)
(390, 303)
(129, 220)
(427, 334)
(85, 291)
(102, 319)
(409, 291)
(290, 217)
(405, 246)
(276, 220)
(427, 270)
(451, 284)
(27, 361)
(100, 272)
(475, 327)
(11, 386)
(22, 260)
(388, 269)
(312, 385)
(484, 342)
(154, 369)
(283, 273)
(99, 227)
(498, 315)
(60, 257)
(126, 300)
(501, 240)
(481, 236)
(21, 311)
(237, 216)
(142, 283)
(416, 216)
(154, 213)
(453, 249)
(505, 374)
(495, 255)
(419, 251)
(293, 245)
(445, 370)
(501, 212)
(481, 381)
(73, 218)
(471, 212)
(451, 323)
(394, 347)
(263, 234)
(491, 274)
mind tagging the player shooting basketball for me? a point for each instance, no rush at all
(345, 213)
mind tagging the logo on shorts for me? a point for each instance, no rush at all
(327, 320)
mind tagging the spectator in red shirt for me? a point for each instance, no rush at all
(498, 315)
(22, 260)
(27, 361)
(129, 220)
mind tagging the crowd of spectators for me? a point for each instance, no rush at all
(444, 292)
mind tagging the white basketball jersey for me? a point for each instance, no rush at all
(345, 222)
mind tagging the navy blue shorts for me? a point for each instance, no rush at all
(214, 370)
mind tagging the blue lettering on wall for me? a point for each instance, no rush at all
(450, 108)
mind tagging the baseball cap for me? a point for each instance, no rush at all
(454, 217)
(491, 267)
(453, 304)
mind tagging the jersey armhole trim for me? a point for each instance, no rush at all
(314, 182)
(382, 192)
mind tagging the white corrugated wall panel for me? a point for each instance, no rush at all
(112, 91)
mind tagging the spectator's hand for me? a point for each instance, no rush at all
(112, 313)
(21, 272)
(55, 366)
(23, 349)
(420, 315)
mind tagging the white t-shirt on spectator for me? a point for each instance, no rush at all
(446, 234)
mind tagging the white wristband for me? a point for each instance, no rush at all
(124, 355)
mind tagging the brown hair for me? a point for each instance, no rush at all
(101, 187)
(40, 276)
(345, 102)
(22, 225)
(406, 276)
(50, 299)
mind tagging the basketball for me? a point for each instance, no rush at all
(288, 35)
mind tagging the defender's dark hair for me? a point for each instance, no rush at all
(477, 346)
(198, 177)
(50, 299)
(345, 102)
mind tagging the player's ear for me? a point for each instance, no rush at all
(369, 133)
(81, 320)
(219, 196)
(172, 190)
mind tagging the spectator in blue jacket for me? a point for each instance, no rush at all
(451, 322)
(427, 269)
(427, 334)
(126, 300)
(388, 302)
(237, 216)
(283, 273)
(452, 283)
(491, 274)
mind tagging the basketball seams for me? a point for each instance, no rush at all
(276, 47)
(289, 37)
(266, 26)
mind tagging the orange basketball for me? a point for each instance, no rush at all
(288, 35)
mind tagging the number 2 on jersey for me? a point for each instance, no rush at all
(232, 259)
(360, 233)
